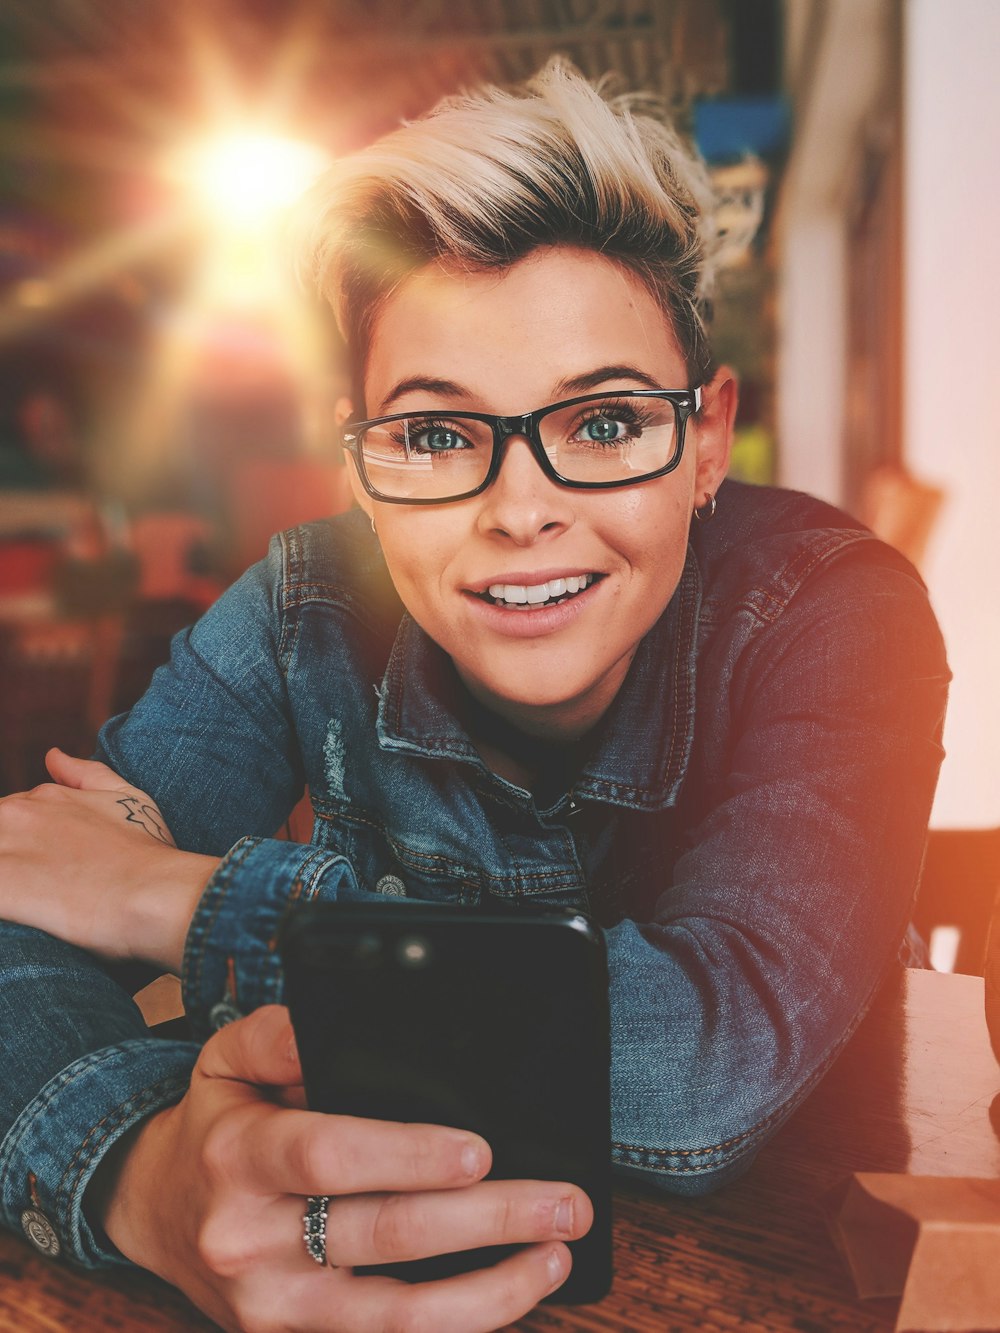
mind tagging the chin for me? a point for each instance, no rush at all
(534, 700)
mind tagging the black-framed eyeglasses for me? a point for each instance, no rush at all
(595, 442)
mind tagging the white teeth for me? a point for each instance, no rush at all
(522, 595)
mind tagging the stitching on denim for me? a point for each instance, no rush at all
(796, 572)
(682, 686)
(410, 858)
(304, 590)
(683, 1170)
(392, 672)
(200, 931)
(690, 1152)
(442, 745)
(500, 797)
(132, 1107)
(291, 552)
(301, 888)
(41, 1103)
(400, 849)
(778, 1114)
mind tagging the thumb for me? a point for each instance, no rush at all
(83, 774)
(257, 1049)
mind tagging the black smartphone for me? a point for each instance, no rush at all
(491, 1021)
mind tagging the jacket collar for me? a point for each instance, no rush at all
(641, 747)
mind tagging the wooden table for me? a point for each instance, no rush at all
(917, 1090)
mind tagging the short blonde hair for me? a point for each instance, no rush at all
(489, 176)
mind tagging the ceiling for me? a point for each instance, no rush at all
(97, 75)
(93, 93)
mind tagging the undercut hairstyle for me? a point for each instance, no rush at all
(489, 176)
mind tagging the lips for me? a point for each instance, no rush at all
(526, 596)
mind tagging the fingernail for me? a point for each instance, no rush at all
(555, 1262)
(564, 1216)
(472, 1160)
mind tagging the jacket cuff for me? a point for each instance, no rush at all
(231, 963)
(56, 1143)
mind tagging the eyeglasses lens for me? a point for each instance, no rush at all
(622, 439)
(427, 458)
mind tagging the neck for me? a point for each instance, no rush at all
(541, 760)
(559, 724)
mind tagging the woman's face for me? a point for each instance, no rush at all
(560, 322)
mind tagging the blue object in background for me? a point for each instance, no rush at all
(727, 128)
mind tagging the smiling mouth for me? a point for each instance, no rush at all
(529, 597)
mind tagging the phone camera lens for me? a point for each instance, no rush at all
(367, 948)
(413, 952)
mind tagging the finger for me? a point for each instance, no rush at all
(275, 1150)
(286, 1151)
(83, 774)
(390, 1228)
(477, 1302)
(258, 1049)
(293, 1096)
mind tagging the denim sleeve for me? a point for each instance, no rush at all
(80, 1069)
(80, 1066)
(231, 962)
(794, 894)
(212, 738)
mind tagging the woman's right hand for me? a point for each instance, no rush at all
(210, 1195)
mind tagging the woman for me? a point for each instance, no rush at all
(521, 670)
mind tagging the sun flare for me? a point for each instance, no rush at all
(248, 178)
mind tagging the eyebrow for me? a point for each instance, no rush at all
(423, 384)
(591, 379)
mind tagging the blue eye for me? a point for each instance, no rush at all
(602, 429)
(419, 437)
(438, 439)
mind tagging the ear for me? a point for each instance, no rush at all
(714, 433)
(343, 410)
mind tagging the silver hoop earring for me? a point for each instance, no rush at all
(371, 519)
(706, 512)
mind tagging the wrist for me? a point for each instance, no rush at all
(117, 1201)
(163, 905)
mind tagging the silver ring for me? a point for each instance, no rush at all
(314, 1224)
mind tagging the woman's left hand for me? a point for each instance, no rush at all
(91, 860)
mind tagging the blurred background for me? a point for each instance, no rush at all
(166, 394)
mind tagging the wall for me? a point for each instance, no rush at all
(839, 64)
(951, 414)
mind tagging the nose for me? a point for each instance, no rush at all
(523, 504)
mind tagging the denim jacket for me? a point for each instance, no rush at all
(747, 824)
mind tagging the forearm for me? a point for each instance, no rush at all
(744, 978)
(712, 1048)
(80, 1069)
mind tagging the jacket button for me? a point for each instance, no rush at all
(40, 1231)
(222, 1014)
(392, 886)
